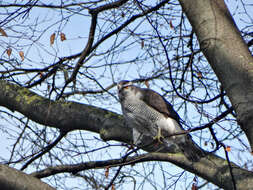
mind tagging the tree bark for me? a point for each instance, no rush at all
(227, 53)
(68, 116)
(212, 168)
(65, 116)
(13, 179)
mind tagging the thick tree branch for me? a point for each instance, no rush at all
(227, 53)
(14, 179)
(65, 116)
(211, 168)
(68, 116)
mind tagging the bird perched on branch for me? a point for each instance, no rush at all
(148, 113)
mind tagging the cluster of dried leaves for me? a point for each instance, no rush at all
(21, 53)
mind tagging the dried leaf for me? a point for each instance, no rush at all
(41, 74)
(63, 37)
(3, 32)
(22, 55)
(228, 148)
(194, 186)
(199, 74)
(171, 25)
(147, 83)
(205, 143)
(107, 172)
(52, 38)
(142, 44)
(8, 51)
(113, 187)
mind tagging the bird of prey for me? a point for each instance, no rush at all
(148, 113)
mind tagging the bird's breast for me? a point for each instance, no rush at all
(140, 109)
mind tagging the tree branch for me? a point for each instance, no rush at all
(65, 116)
(44, 150)
(227, 53)
(218, 171)
(13, 179)
(111, 126)
(88, 48)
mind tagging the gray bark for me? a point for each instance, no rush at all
(11, 179)
(227, 53)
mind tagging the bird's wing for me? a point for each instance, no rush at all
(159, 103)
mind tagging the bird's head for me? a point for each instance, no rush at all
(124, 85)
(126, 89)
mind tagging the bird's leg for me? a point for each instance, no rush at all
(159, 136)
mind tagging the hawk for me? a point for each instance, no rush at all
(148, 113)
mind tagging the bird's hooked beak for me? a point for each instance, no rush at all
(123, 84)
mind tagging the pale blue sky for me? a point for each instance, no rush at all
(76, 32)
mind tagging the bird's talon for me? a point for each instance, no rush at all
(159, 136)
(158, 139)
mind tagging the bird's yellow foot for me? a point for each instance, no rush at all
(159, 136)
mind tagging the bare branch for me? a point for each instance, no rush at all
(14, 179)
(218, 170)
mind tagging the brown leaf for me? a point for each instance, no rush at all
(171, 25)
(3, 32)
(113, 187)
(142, 44)
(199, 74)
(8, 51)
(63, 37)
(21, 54)
(194, 186)
(228, 148)
(107, 172)
(41, 74)
(147, 83)
(52, 38)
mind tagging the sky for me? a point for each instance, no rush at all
(76, 32)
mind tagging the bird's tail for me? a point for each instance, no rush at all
(191, 150)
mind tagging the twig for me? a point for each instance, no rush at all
(230, 166)
(44, 150)
(120, 167)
